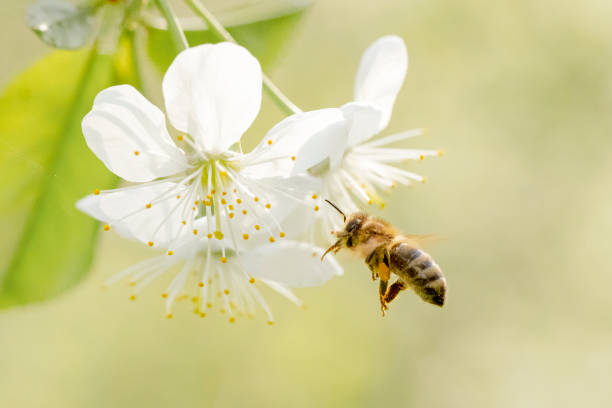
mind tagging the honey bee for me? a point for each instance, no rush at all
(386, 251)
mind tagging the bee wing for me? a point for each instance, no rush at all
(421, 241)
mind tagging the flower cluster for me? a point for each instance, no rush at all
(229, 222)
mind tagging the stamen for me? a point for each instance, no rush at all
(150, 243)
(271, 239)
(106, 227)
(148, 205)
(96, 191)
(245, 236)
(170, 253)
(136, 153)
(223, 260)
(179, 138)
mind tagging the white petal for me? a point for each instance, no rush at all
(363, 121)
(128, 133)
(291, 263)
(328, 145)
(381, 74)
(214, 93)
(125, 210)
(285, 139)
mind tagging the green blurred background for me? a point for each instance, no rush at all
(519, 95)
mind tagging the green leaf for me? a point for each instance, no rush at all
(263, 38)
(45, 166)
(61, 24)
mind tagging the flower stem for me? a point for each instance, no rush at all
(217, 28)
(180, 41)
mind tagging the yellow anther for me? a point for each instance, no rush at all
(223, 259)
(106, 227)
(282, 234)
(231, 207)
(195, 232)
(209, 305)
(195, 299)
(136, 153)
(179, 137)
(223, 173)
(196, 202)
(201, 284)
(178, 196)
(208, 203)
(316, 208)
(209, 196)
(440, 153)
(293, 158)
(219, 235)
(424, 180)
(314, 254)
(202, 314)
(223, 201)
(231, 215)
(268, 206)
(148, 205)
(232, 319)
(213, 191)
(382, 205)
(270, 323)
(224, 193)
(239, 201)
(209, 236)
(252, 281)
(235, 191)
(314, 196)
(269, 142)
(164, 295)
(271, 239)
(226, 291)
(97, 191)
(257, 227)
(133, 297)
(244, 212)
(193, 208)
(256, 199)
(421, 157)
(169, 315)
(245, 236)
(370, 202)
(170, 253)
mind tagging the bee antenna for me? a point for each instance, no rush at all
(337, 209)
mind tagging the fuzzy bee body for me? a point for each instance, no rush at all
(388, 252)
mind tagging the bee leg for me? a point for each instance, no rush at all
(393, 291)
(382, 290)
(377, 260)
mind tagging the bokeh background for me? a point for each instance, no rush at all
(519, 95)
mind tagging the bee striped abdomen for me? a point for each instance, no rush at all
(419, 271)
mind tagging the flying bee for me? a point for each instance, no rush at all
(387, 252)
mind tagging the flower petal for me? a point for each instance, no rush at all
(324, 148)
(128, 133)
(128, 213)
(381, 74)
(291, 263)
(363, 121)
(214, 93)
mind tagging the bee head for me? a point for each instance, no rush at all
(348, 237)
